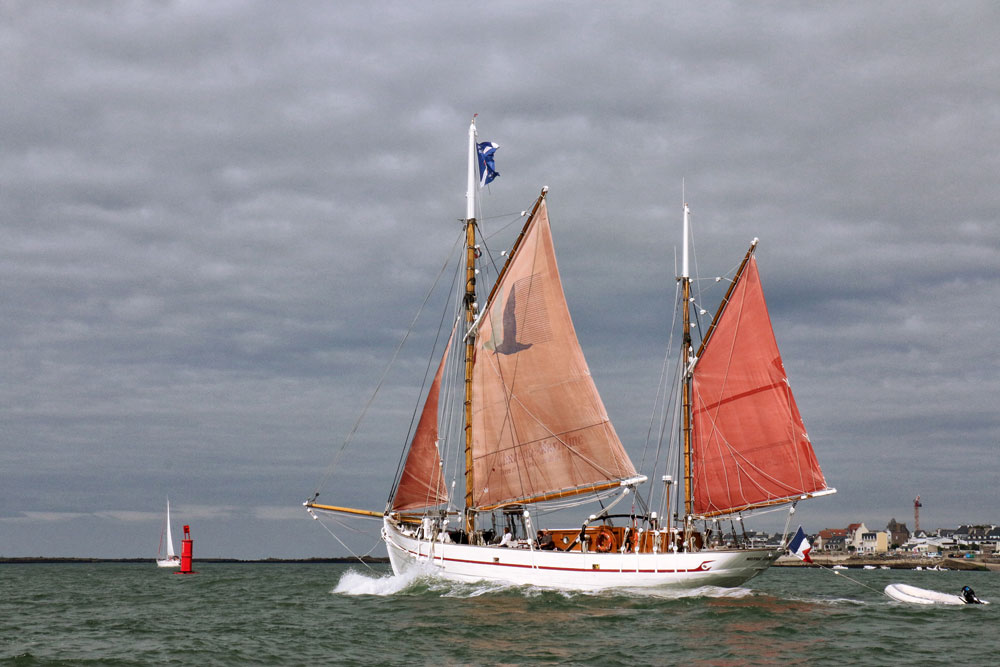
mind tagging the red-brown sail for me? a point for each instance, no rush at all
(749, 445)
(539, 425)
(422, 482)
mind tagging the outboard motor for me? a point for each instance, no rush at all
(969, 596)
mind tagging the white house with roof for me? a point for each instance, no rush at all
(929, 545)
(854, 533)
(876, 542)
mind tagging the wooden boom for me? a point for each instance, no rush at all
(344, 510)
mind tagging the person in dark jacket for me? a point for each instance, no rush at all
(969, 596)
(545, 540)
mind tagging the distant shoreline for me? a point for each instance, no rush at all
(892, 562)
(29, 560)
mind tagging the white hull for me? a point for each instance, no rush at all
(573, 569)
(168, 562)
(914, 595)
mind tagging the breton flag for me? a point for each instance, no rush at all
(800, 546)
(487, 170)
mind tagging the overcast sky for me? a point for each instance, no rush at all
(218, 219)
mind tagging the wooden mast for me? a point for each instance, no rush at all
(470, 317)
(686, 361)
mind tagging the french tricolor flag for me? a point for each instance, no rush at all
(800, 545)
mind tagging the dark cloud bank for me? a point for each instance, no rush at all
(219, 219)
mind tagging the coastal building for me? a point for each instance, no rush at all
(775, 541)
(929, 545)
(858, 539)
(854, 533)
(992, 542)
(831, 539)
(874, 543)
(977, 535)
(851, 538)
(899, 534)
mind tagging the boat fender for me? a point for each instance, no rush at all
(605, 541)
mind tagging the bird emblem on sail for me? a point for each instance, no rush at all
(503, 337)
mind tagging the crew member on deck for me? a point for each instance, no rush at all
(545, 540)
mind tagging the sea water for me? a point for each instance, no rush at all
(325, 614)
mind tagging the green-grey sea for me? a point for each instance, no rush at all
(326, 614)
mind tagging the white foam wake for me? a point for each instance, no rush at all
(353, 582)
(359, 583)
(679, 593)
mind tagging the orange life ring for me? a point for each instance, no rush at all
(605, 540)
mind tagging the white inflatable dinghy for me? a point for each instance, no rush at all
(914, 595)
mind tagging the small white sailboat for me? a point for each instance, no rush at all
(531, 435)
(171, 559)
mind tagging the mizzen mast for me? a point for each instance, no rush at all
(686, 363)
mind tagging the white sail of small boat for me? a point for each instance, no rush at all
(171, 559)
(535, 437)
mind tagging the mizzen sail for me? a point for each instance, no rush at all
(540, 429)
(749, 445)
(421, 483)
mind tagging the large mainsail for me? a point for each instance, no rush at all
(749, 445)
(421, 483)
(540, 429)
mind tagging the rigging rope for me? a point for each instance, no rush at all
(399, 346)
(828, 569)
(668, 400)
(361, 559)
(418, 407)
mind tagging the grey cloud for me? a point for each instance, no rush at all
(218, 221)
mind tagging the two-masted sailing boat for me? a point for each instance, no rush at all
(536, 436)
(171, 559)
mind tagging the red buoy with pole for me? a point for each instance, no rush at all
(186, 550)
